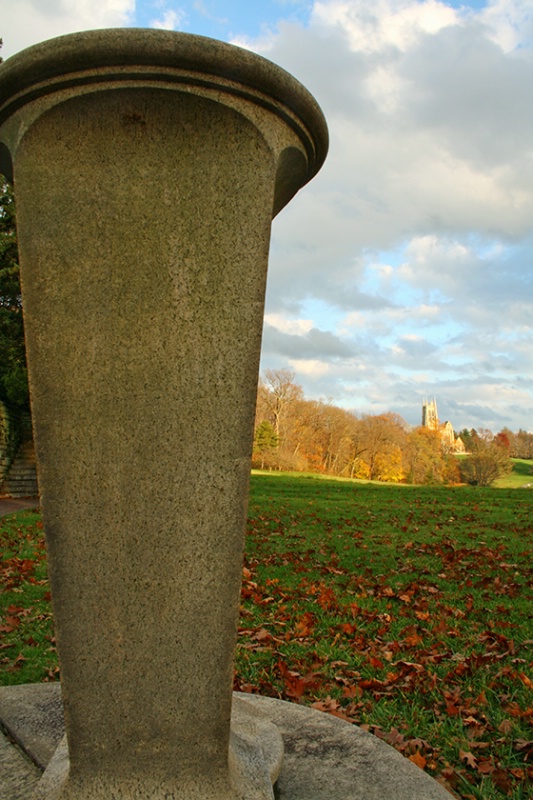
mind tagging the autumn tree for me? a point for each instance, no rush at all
(424, 456)
(281, 392)
(523, 444)
(303, 435)
(382, 437)
(357, 448)
(488, 459)
(335, 430)
(503, 440)
(276, 400)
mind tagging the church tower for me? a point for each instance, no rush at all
(430, 417)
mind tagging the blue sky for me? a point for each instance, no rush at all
(405, 269)
(225, 20)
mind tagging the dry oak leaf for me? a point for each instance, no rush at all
(485, 767)
(469, 758)
(418, 759)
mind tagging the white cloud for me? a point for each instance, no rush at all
(292, 326)
(171, 20)
(371, 27)
(310, 367)
(510, 22)
(26, 22)
(261, 44)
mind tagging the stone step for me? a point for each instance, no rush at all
(21, 480)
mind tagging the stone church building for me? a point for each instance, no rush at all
(430, 419)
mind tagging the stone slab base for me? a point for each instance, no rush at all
(324, 757)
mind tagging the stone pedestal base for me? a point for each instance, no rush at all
(324, 758)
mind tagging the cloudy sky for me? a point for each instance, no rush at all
(405, 269)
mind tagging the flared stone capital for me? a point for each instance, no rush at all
(57, 70)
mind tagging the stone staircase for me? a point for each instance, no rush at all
(21, 480)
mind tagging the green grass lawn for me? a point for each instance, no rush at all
(407, 610)
(520, 477)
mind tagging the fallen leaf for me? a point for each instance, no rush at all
(485, 767)
(525, 680)
(418, 759)
(505, 726)
(469, 758)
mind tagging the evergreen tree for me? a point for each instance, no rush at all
(13, 372)
(266, 442)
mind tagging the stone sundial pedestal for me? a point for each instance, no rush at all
(147, 168)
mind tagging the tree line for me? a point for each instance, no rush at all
(293, 433)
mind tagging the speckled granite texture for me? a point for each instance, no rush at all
(324, 757)
(147, 168)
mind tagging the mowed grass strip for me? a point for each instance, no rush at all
(407, 610)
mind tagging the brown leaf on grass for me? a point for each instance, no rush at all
(518, 773)
(505, 726)
(501, 779)
(448, 779)
(408, 666)
(469, 758)
(17, 663)
(330, 706)
(418, 759)
(485, 767)
(10, 624)
(305, 625)
(295, 684)
(395, 738)
(15, 610)
(449, 776)
(348, 628)
(372, 684)
(525, 680)
(524, 745)
(326, 598)
(352, 692)
(452, 710)
(413, 639)
(262, 635)
(418, 744)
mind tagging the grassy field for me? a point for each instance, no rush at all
(407, 610)
(520, 477)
